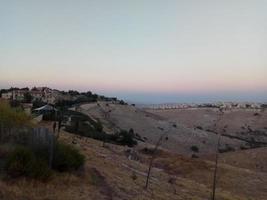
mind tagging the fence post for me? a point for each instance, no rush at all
(1, 132)
(51, 149)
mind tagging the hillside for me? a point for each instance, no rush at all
(109, 174)
(185, 128)
(119, 172)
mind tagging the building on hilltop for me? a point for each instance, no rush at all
(7, 95)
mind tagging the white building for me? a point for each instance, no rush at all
(7, 95)
(18, 94)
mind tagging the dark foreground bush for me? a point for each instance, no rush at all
(40, 170)
(33, 163)
(22, 162)
(194, 148)
(67, 158)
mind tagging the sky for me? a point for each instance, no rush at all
(145, 51)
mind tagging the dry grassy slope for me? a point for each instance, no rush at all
(152, 125)
(108, 174)
(233, 121)
(252, 159)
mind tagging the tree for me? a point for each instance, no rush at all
(126, 138)
(73, 92)
(26, 89)
(28, 97)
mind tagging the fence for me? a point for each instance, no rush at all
(38, 139)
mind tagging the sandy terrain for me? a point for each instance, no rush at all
(248, 124)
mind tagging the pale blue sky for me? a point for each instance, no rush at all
(140, 50)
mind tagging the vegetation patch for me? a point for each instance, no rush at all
(194, 148)
(32, 152)
(12, 116)
(85, 126)
(23, 162)
(67, 158)
(29, 162)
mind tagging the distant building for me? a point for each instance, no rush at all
(49, 98)
(18, 94)
(36, 94)
(7, 95)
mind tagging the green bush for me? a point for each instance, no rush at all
(19, 161)
(67, 158)
(11, 117)
(22, 162)
(33, 162)
(40, 170)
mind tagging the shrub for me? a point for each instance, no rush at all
(98, 126)
(12, 116)
(194, 148)
(19, 162)
(22, 162)
(199, 127)
(226, 149)
(27, 98)
(67, 158)
(125, 138)
(33, 163)
(40, 170)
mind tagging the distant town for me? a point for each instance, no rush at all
(39, 96)
(224, 105)
(47, 95)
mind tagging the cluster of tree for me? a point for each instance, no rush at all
(13, 88)
(85, 97)
(88, 96)
(85, 126)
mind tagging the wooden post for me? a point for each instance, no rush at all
(51, 147)
(217, 156)
(1, 132)
(215, 170)
(152, 159)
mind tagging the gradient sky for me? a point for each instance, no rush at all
(140, 50)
